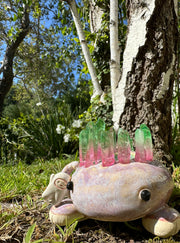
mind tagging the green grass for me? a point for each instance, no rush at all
(22, 179)
(21, 187)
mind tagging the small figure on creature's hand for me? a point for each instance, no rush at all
(132, 186)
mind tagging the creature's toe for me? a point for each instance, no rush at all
(65, 214)
(164, 223)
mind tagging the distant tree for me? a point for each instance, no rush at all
(44, 65)
(13, 36)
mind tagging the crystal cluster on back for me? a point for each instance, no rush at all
(99, 144)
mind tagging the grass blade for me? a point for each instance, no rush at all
(28, 236)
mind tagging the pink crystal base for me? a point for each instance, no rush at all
(107, 157)
(149, 154)
(99, 154)
(140, 156)
(124, 155)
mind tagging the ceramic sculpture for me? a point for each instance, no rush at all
(113, 183)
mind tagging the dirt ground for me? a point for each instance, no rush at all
(86, 231)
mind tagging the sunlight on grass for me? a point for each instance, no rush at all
(20, 195)
(61, 236)
(19, 179)
(159, 240)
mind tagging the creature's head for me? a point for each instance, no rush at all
(57, 188)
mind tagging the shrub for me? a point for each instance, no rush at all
(32, 137)
(99, 109)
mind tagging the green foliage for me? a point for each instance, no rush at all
(68, 231)
(8, 140)
(78, 98)
(32, 136)
(99, 109)
(99, 41)
(175, 149)
(28, 127)
(45, 64)
(31, 233)
(15, 110)
(45, 67)
(176, 176)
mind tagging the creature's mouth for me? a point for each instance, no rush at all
(64, 212)
(64, 202)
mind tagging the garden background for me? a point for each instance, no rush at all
(45, 103)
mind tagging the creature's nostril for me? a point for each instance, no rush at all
(145, 195)
(70, 186)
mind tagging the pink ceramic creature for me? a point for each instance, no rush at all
(121, 192)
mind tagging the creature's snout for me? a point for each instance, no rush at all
(57, 188)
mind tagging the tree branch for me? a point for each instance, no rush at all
(87, 56)
(114, 48)
(3, 33)
(7, 65)
(23, 32)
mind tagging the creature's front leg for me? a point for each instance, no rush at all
(163, 223)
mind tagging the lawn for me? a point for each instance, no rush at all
(24, 214)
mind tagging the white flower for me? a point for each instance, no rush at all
(77, 123)
(8, 7)
(66, 138)
(77, 135)
(39, 104)
(59, 128)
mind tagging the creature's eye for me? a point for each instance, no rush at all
(145, 195)
(60, 184)
(70, 186)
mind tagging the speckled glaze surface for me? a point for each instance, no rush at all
(120, 192)
(113, 193)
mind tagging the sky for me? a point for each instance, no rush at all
(47, 22)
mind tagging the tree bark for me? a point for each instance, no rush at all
(101, 53)
(144, 94)
(7, 65)
(95, 16)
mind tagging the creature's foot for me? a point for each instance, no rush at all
(163, 223)
(65, 213)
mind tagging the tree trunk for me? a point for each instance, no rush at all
(144, 93)
(7, 67)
